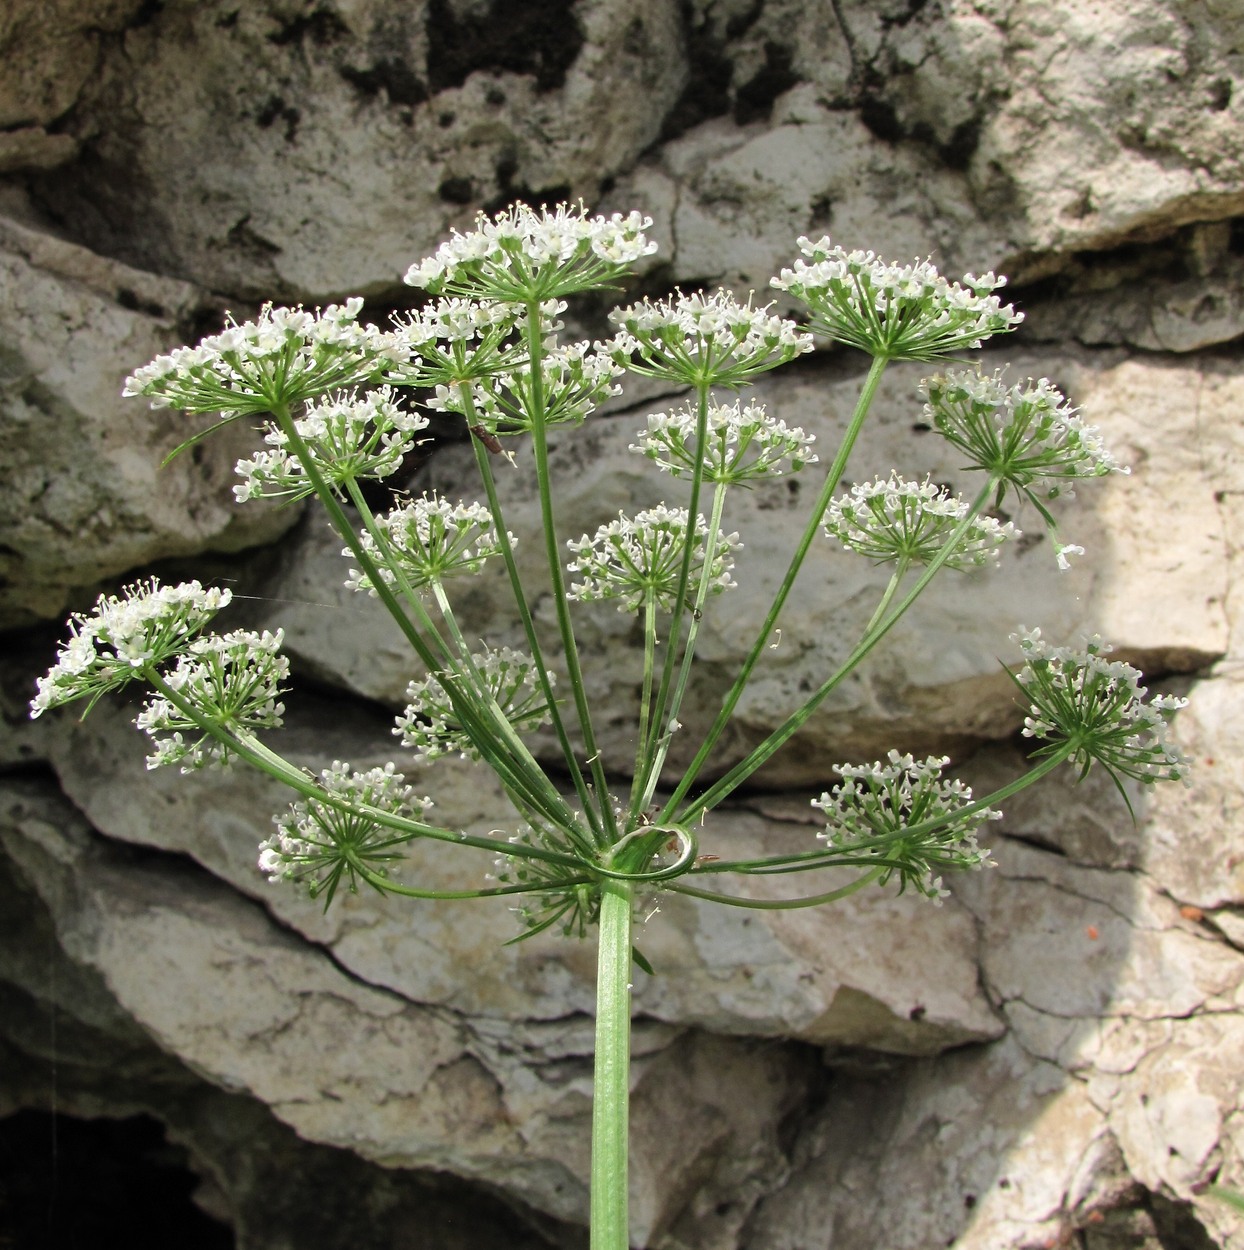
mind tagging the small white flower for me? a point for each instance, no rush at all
(235, 680)
(575, 379)
(892, 519)
(630, 558)
(349, 439)
(320, 845)
(285, 357)
(741, 443)
(145, 625)
(703, 340)
(900, 312)
(870, 813)
(430, 726)
(1064, 550)
(431, 539)
(524, 256)
(1027, 434)
(1096, 706)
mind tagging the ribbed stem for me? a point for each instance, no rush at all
(611, 1091)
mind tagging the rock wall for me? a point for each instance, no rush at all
(1052, 1059)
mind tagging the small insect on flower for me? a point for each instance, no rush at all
(490, 441)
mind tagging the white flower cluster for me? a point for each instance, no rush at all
(1096, 706)
(146, 624)
(703, 340)
(741, 443)
(348, 438)
(901, 312)
(870, 812)
(284, 357)
(575, 379)
(453, 341)
(892, 519)
(555, 897)
(1027, 435)
(509, 679)
(318, 843)
(523, 255)
(630, 558)
(232, 679)
(430, 539)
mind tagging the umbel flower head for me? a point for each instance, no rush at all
(899, 312)
(874, 814)
(703, 340)
(891, 519)
(232, 679)
(283, 358)
(1094, 706)
(1026, 435)
(630, 558)
(509, 678)
(575, 378)
(452, 341)
(110, 646)
(430, 539)
(523, 255)
(556, 897)
(319, 845)
(349, 439)
(741, 443)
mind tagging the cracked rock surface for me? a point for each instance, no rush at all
(1052, 1059)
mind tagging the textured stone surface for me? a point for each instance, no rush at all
(1050, 1060)
(804, 974)
(329, 146)
(84, 497)
(936, 680)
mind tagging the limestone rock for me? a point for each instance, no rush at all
(51, 50)
(284, 153)
(70, 1047)
(411, 1084)
(84, 495)
(1071, 1123)
(934, 683)
(815, 974)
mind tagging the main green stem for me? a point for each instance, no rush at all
(611, 1092)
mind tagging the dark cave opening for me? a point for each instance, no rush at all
(76, 1184)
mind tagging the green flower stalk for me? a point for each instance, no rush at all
(342, 403)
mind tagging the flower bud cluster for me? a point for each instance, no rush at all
(146, 624)
(892, 519)
(430, 539)
(900, 312)
(318, 843)
(523, 255)
(703, 340)
(285, 357)
(234, 680)
(1095, 705)
(349, 439)
(631, 558)
(741, 443)
(871, 812)
(509, 679)
(1027, 435)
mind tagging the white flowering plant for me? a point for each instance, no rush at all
(338, 401)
